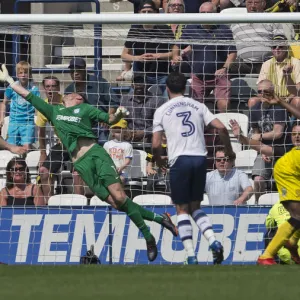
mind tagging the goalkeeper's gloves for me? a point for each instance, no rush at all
(121, 112)
(4, 76)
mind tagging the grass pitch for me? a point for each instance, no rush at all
(149, 282)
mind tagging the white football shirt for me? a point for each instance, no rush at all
(183, 121)
(118, 151)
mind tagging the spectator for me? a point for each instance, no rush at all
(210, 62)
(19, 190)
(177, 7)
(21, 129)
(141, 107)
(253, 40)
(96, 92)
(284, 72)
(224, 4)
(156, 174)
(148, 56)
(119, 150)
(269, 125)
(51, 164)
(226, 185)
(192, 6)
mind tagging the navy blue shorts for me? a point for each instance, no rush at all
(187, 179)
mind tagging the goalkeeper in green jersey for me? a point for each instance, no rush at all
(73, 124)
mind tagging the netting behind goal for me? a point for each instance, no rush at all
(62, 231)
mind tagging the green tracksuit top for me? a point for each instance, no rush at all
(70, 123)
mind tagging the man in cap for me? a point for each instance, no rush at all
(96, 92)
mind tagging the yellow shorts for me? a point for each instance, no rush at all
(287, 177)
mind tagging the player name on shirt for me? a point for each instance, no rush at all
(68, 118)
(179, 104)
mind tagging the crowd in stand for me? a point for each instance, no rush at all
(150, 53)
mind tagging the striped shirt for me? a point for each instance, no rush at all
(253, 40)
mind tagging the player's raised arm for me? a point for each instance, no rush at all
(101, 116)
(45, 108)
(224, 136)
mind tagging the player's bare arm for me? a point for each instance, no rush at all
(224, 136)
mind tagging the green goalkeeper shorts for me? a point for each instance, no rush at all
(97, 170)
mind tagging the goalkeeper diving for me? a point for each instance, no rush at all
(73, 123)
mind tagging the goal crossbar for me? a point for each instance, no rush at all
(21, 19)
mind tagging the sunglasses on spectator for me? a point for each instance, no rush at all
(295, 133)
(174, 5)
(22, 169)
(278, 47)
(266, 92)
(219, 159)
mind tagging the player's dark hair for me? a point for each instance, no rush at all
(176, 82)
(9, 170)
(51, 78)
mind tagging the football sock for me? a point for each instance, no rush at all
(133, 212)
(185, 231)
(204, 225)
(294, 239)
(284, 232)
(148, 215)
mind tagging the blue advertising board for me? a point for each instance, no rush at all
(62, 235)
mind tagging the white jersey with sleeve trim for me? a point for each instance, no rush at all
(183, 121)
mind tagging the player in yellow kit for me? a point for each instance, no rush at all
(287, 177)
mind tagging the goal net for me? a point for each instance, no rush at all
(62, 231)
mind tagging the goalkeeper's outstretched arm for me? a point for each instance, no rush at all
(45, 108)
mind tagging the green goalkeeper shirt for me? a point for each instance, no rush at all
(70, 123)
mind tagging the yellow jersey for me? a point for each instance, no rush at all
(287, 175)
(41, 120)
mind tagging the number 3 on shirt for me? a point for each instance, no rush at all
(186, 122)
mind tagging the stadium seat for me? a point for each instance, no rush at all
(268, 199)
(2, 183)
(245, 160)
(251, 201)
(205, 200)
(5, 128)
(153, 199)
(234, 10)
(67, 200)
(5, 157)
(137, 169)
(32, 160)
(240, 118)
(95, 201)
